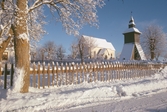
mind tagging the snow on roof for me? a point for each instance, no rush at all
(141, 52)
(132, 23)
(102, 43)
(126, 53)
(133, 29)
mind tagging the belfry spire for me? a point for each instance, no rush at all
(131, 22)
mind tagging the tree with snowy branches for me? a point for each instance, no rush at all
(60, 52)
(26, 17)
(154, 42)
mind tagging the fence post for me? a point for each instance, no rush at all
(53, 73)
(57, 73)
(43, 72)
(76, 66)
(38, 72)
(12, 72)
(48, 72)
(5, 76)
(0, 72)
(66, 71)
(62, 74)
(81, 73)
(34, 79)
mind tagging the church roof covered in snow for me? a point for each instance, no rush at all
(133, 29)
(127, 51)
(102, 43)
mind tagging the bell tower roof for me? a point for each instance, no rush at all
(131, 23)
(131, 27)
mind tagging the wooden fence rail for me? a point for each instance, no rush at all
(42, 75)
(56, 75)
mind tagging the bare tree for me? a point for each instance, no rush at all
(154, 41)
(85, 47)
(74, 50)
(90, 44)
(50, 50)
(4, 43)
(24, 14)
(41, 54)
(81, 48)
(60, 52)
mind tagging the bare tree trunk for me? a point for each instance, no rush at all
(21, 44)
(3, 46)
(5, 43)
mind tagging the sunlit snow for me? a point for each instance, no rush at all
(142, 94)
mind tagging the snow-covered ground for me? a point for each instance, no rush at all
(148, 94)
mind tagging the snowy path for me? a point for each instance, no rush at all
(153, 103)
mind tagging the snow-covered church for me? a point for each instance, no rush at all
(132, 49)
(101, 49)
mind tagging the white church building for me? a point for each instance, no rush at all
(102, 48)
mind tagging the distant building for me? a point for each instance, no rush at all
(101, 49)
(132, 49)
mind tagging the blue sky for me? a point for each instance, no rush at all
(113, 21)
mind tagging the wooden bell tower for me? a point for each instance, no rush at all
(132, 49)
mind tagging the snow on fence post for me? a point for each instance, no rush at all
(137, 71)
(124, 70)
(133, 70)
(89, 72)
(57, 74)
(118, 70)
(105, 71)
(5, 76)
(66, 71)
(121, 71)
(53, 73)
(0, 71)
(39, 72)
(76, 66)
(114, 70)
(48, 72)
(11, 74)
(99, 69)
(81, 72)
(109, 71)
(92, 69)
(61, 74)
(102, 71)
(72, 71)
(33, 72)
(69, 75)
(95, 71)
(43, 76)
(85, 71)
(146, 69)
